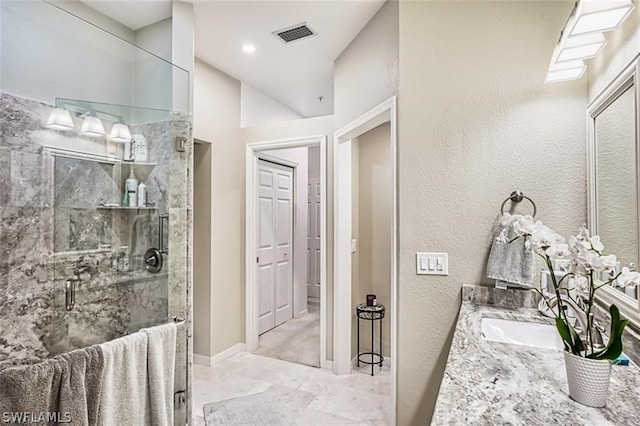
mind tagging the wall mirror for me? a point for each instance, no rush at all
(614, 185)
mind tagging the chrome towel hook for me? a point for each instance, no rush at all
(516, 197)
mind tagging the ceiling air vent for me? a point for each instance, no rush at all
(294, 33)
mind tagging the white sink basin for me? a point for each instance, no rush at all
(521, 333)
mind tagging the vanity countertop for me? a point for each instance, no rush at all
(487, 383)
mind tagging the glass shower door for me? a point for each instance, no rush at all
(72, 270)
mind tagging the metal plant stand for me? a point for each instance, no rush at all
(370, 313)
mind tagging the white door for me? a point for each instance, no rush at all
(275, 245)
(313, 237)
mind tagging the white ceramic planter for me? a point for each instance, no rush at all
(588, 379)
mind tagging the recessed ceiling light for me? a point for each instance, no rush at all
(248, 48)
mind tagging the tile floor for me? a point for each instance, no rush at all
(355, 399)
(297, 340)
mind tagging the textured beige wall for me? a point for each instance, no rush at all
(622, 46)
(365, 75)
(375, 223)
(202, 249)
(371, 226)
(356, 289)
(217, 121)
(476, 122)
(366, 72)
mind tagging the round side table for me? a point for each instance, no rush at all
(370, 313)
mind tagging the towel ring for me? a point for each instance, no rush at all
(516, 197)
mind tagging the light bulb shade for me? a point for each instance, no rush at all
(120, 133)
(563, 71)
(594, 16)
(60, 119)
(580, 47)
(92, 126)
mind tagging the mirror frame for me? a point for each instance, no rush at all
(629, 77)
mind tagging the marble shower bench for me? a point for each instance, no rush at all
(487, 382)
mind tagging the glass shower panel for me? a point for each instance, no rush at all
(72, 251)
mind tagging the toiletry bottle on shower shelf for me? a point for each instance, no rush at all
(142, 194)
(140, 153)
(131, 187)
(128, 153)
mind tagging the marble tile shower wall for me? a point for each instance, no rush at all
(52, 230)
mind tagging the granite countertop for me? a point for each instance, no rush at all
(488, 383)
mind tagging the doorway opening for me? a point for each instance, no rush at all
(365, 160)
(286, 250)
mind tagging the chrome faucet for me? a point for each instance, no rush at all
(581, 317)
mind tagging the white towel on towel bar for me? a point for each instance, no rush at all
(160, 368)
(125, 399)
(512, 263)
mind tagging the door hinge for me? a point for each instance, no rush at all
(257, 260)
(179, 399)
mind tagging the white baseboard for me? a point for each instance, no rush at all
(328, 365)
(199, 359)
(219, 357)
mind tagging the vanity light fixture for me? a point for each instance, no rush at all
(594, 16)
(581, 37)
(92, 126)
(120, 133)
(563, 71)
(60, 119)
(580, 47)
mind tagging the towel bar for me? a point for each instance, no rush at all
(516, 197)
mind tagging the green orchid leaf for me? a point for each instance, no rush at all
(614, 346)
(565, 334)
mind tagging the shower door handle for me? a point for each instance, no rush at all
(161, 219)
(70, 294)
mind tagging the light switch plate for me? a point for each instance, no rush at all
(432, 263)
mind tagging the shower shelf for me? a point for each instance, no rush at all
(133, 163)
(124, 208)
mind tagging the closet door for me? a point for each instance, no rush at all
(275, 245)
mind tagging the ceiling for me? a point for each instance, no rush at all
(134, 14)
(296, 74)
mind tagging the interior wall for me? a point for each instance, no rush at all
(476, 121)
(623, 45)
(259, 109)
(357, 292)
(148, 75)
(301, 157)
(217, 121)
(183, 55)
(50, 60)
(81, 10)
(366, 72)
(155, 38)
(202, 241)
(374, 241)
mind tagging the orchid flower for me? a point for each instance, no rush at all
(628, 278)
(557, 250)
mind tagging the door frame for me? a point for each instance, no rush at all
(255, 151)
(343, 308)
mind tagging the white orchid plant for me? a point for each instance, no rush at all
(587, 263)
